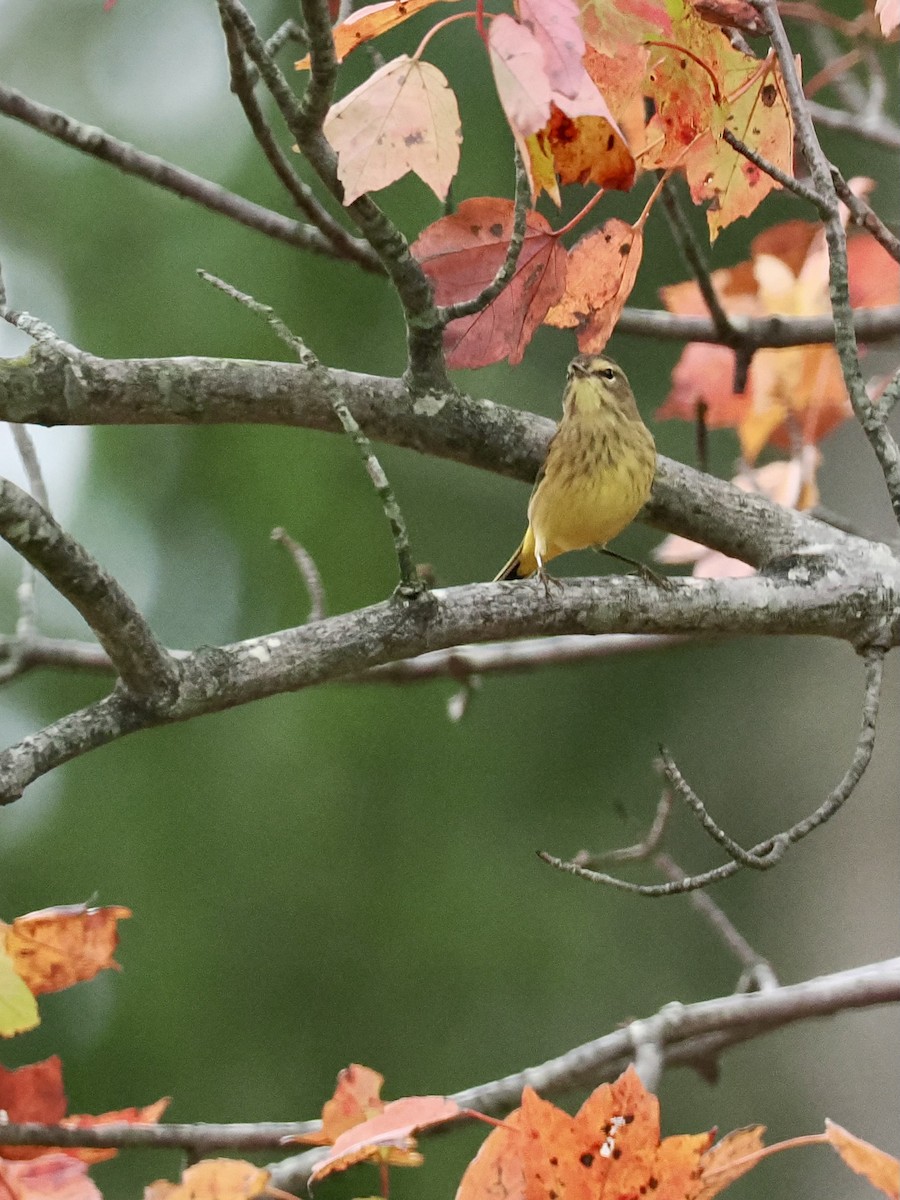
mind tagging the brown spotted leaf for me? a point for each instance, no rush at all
(602, 269)
(462, 253)
(403, 118)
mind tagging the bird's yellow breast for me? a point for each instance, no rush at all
(597, 477)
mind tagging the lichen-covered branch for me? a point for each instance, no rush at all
(834, 597)
(304, 118)
(132, 161)
(46, 389)
(146, 669)
(689, 1035)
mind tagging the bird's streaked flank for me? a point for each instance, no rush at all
(597, 474)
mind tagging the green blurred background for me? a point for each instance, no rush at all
(346, 875)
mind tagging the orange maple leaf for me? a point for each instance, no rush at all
(217, 1179)
(35, 1093)
(403, 118)
(357, 1097)
(581, 143)
(57, 947)
(732, 1156)
(462, 253)
(601, 273)
(611, 1147)
(367, 23)
(387, 1138)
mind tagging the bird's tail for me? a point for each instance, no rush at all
(523, 563)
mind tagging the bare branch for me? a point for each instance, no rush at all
(803, 190)
(427, 369)
(462, 663)
(145, 668)
(882, 441)
(200, 1139)
(242, 84)
(99, 144)
(696, 263)
(687, 1034)
(874, 127)
(692, 1035)
(49, 390)
(309, 572)
(839, 604)
(27, 654)
(768, 853)
(25, 626)
(865, 216)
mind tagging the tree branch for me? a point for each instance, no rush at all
(48, 390)
(99, 144)
(427, 369)
(874, 127)
(768, 853)
(873, 422)
(840, 601)
(145, 668)
(410, 585)
(691, 1035)
(242, 84)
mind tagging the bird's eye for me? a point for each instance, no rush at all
(608, 373)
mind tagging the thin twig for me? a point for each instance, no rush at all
(201, 1139)
(304, 118)
(765, 854)
(345, 245)
(410, 584)
(865, 216)
(803, 190)
(99, 144)
(26, 624)
(882, 441)
(756, 967)
(873, 127)
(309, 572)
(687, 1032)
(144, 666)
(468, 308)
(696, 262)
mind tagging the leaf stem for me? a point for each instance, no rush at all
(463, 16)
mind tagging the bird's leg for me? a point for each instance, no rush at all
(645, 572)
(545, 578)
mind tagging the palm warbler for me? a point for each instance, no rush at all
(598, 471)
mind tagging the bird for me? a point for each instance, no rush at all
(598, 471)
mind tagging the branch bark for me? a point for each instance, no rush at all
(828, 595)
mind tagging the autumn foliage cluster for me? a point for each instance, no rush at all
(598, 94)
(610, 1147)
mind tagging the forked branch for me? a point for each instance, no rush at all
(766, 854)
